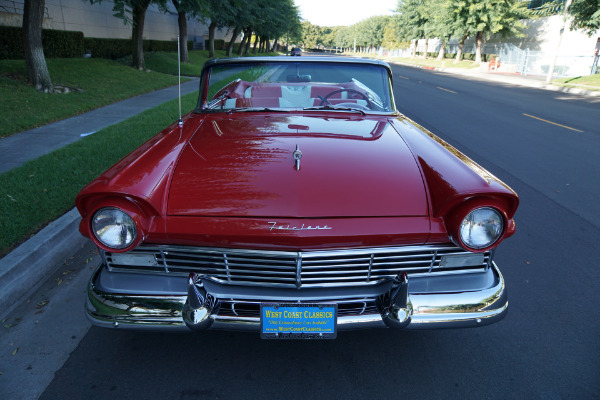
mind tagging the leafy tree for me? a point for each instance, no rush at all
(441, 20)
(390, 35)
(134, 12)
(311, 35)
(371, 30)
(344, 37)
(265, 18)
(217, 12)
(413, 22)
(275, 19)
(483, 18)
(586, 15)
(185, 9)
(37, 70)
(328, 36)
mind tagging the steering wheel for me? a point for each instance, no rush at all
(325, 99)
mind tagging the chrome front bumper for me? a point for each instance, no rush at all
(140, 301)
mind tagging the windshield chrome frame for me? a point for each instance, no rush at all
(202, 106)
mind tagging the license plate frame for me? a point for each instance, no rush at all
(298, 321)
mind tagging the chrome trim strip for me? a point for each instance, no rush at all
(227, 267)
(491, 258)
(164, 261)
(433, 261)
(103, 255)
(299, 270)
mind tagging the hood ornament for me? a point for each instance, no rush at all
(297, 156)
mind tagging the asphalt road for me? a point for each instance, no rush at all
(548, 347)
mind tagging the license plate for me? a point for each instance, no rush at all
(298, 321)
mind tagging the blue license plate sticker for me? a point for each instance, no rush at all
(298, 321)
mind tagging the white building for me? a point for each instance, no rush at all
(97, 20)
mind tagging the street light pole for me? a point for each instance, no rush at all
(287, 43)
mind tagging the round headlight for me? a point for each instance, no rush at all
(114, 228)
(481, 228)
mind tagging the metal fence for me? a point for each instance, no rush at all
(512, 58)
(528, 62)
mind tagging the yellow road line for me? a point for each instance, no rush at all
(403, 77)
(553, 123)
(441, 88)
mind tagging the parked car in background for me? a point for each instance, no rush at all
(296, 51)
(296, 201)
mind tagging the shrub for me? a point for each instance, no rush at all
(119, 48)
(107, 48)
(57, 44)
(219, 44)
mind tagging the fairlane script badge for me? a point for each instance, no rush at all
(304, 227)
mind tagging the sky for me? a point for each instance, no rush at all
(343, 12)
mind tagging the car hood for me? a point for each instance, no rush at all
(243, 165)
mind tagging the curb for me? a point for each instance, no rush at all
(532, 84)
(24, 269)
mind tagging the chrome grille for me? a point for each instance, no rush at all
(296, 269)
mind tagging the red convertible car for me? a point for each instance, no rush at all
(296, 201)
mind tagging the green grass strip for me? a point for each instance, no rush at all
(42, 190)
(588, 82)
(102, 81)
(433, 62)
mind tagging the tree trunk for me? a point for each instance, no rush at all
(37, 70)
(426, 47)
(479, 42)
(265, 45)
(460, 48)
(274, 47)
(182, 20)
(137, 33)
(240, 51)
(442, 51)
(211, 39)
(255, 44)
(247, 50)
(236, 33)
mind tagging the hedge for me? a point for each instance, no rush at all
(57, 44)
(117, 48)
(68, 44)
(219, 44)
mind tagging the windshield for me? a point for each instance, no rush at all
(284, 86)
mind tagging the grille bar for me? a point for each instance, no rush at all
(299, 269)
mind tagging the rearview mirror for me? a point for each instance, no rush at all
(299, 78)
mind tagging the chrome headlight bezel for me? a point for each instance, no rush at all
(481, 228)
(114, 228)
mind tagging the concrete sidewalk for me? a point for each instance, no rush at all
(28, 145)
